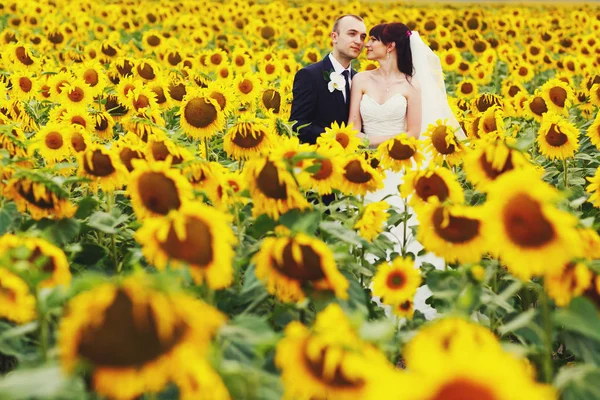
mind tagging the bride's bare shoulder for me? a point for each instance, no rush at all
(362, 76)
(414, 84)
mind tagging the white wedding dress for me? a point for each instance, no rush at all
(389, 119)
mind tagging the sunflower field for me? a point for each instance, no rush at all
(164, 234)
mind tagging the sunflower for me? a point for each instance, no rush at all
(359, 177)
(156, 189)
(145, 123)
(77, 93)
(92, 73)
(467, 88)
(396, 282)
(332, 361)
(489, 160)
(591, 243)
(223, 94)
(160, 89)
(24, 85)
(141, 100)
(443, 143)
(484, 101)
(593, 132)
(272, 187)
(595, 95)
(431, 182)
(147, 70)
(275, 101)
(152, 39)
(372, 220)
(491, 124)
(558, 96)
(453, 232)
(530, 234)
(40, 196)
(557, 137)
(114, 108)
(328, 176)
(13, 140)
(17, 304)
(125, 88)
(225, 187)
(288, 264)
(104, 124)
(157, 332)
(102, 167)
(21, 56)
(53, 142)
(57, 82)
(78, 116)
(129, 150)
(200, 115)
(344, 136)
(572, 281)
(80, 138)
(161, 148)
(536, 106)
(594, 188)
(247, 87)
(522, 72)
(247, 138)
(197, 236)
(455, 359)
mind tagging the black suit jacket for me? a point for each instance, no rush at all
(314, 104)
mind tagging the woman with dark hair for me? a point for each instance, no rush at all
(404, 95)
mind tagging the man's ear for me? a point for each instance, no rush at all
(333, 36)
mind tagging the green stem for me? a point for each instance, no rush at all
(565, 170)
(113, 237)
(206, 150)
(43, 325)
(547, 321)
(404, 228)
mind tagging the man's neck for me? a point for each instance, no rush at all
(344, 62)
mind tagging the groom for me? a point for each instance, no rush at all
(317, 102)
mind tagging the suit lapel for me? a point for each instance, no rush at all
(337, 94)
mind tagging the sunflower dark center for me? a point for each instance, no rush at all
(513, 90)
(473, 23)
(78, 142)
(90, 77)
(142, 101)
(554, 137)
(174, 58)
(456, 229)
(309, 268)
(486, 101)
(54, 140)
(22, 56)
(113, 107)
(56, 37)
(267, 32)
(538, 106)
(489, 169)
(153, 40)
(246, 86)
(127, 337)
(355, 173)
(272, 100)
(269, 69)
(325, 171)
(101, 123)
(126, 155)
(42, 261)
(438, 138)
(433, 185)
(466, 88)
(319, 371)
(45, 202)
(177, 91)
(146, 71)
(158, 193)
(160, 152)
(220, 99)
(479, 46)
(126, 68)
(76, 94)
(160, 94)
(405, 306)
(109, 50)
(196, 248)
(489, 124)
(216, 59)
(343, 139)
(200, 113)
(248, 138)
(430, 25)
(268, 182)
(99, 165)
(558, 96)
(464, 389)
(25, 84)
(45, 91)
(525, 223)
(396, 280)
(400, 151)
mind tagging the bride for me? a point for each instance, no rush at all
(404, 95)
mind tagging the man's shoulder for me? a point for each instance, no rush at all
(313, 68)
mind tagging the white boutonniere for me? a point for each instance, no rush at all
(336, 82)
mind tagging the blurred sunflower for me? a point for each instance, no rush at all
(156, 189)
(225, 187)
(197, 236)
(593, 132)
(344, 136)
(396, 282)
(572, 281)
(80, 138)
(595, 95)
(530, 234)
(273, 188)
(467, 88)
(372, 220)
(77, 93)
(450, 59)
(148, 70)
(157, 332)
(359, 177)
(247, 87)
(400, 152)
(38, 195)
(557, 137)
(223, 94)
(594, 188)
(536, 106)
(17, 304)
(558, 96)
(24, 85)
(104, 125)
(491, 124)
(92, 73)
(405, 309)
(21, 55)
(201, 116)
(288, 264)
(432, 182)
(129, 150)
(330, 360)
(488, 160)
(57, 82)
(102, 167)
(322, 174)
(161, 148)
(453, 232)
(483, 101)
(442, 142)
(52, 142)
(246, 139)
(78, 116)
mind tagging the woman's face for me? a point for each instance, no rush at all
(376, 50)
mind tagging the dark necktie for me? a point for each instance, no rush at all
(346, 74)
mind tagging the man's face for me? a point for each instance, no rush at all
(350, 39)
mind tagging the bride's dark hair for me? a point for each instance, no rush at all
(398, 33)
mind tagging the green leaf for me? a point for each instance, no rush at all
(40, 383)
(85, 207)
(9, 215)
(580, 317)
(338, 231)
(521, 321)
(105, 222)
(62, 231)
(579, 382)
(297, 221)
(90, 254)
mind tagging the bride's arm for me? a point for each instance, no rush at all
(358, 83)
(414, 110)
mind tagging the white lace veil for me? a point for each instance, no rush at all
(428, 71)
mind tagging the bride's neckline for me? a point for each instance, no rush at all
(382, 104)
